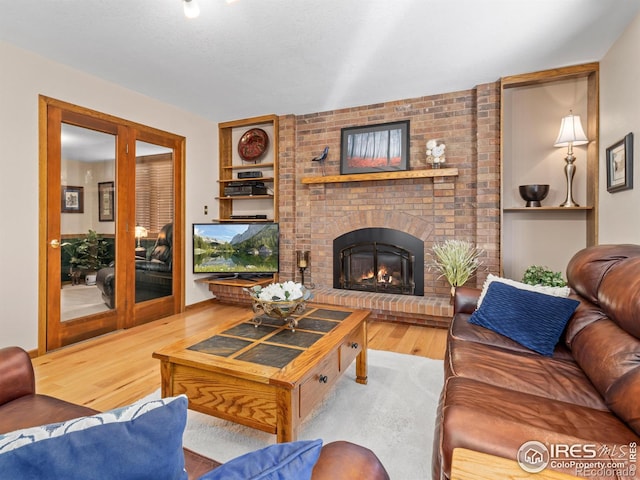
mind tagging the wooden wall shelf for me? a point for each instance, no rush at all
(365, 177)
(545, 209)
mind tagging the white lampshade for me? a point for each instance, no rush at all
(571, 132)
(191, 8)
(141, 232)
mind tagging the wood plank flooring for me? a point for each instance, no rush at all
(116, 369)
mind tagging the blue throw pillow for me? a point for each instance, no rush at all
(143, 440)
(534, 320)
(282, 461)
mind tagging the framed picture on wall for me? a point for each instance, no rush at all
(72, 199)
(105, 202)
(620, 165)
(375, 148)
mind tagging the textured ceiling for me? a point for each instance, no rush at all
(254, 57)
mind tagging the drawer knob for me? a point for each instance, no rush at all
(354, 345)
(323, 379)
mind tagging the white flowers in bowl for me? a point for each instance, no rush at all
(435, 152)
(280, 292)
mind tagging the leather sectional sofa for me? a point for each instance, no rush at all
(21, 407)
(582, 402)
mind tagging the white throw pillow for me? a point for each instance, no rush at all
(555, 291)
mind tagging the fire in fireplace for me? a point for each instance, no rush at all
(379, 260)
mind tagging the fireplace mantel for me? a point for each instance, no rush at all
(365, 177)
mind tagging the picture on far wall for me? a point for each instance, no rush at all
(105, 202)
(72, 199)
(375, 148)
(620, 165)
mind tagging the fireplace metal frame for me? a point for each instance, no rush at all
(381, 236)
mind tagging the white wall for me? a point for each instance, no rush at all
(23, 77)
(619, 219)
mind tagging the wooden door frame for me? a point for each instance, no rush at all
(128, 132)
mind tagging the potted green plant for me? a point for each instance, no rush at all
(538, 275)
(87, 256)
(456, 260)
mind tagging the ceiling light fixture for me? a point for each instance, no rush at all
(191, 8)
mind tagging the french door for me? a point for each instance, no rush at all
(111, 224)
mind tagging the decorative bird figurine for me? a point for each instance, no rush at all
(322, 157)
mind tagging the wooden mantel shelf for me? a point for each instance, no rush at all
(365, 177)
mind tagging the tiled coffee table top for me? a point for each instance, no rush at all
(272, 343)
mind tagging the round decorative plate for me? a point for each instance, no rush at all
(253, 144)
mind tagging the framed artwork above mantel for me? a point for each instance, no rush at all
(375, 148)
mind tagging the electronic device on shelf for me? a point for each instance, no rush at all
(245, 249)
(258, 216)
(251, 174)
(245, 188)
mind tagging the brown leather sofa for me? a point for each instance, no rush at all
(498, 395)
(21, 407)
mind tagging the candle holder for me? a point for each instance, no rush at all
(302, 261)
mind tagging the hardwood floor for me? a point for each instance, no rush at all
(117, 369)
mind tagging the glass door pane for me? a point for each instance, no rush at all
(154, 221)
(87, 223)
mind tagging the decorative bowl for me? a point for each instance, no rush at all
(277, 308)
(534, 194)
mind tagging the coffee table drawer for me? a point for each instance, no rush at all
(318, 383)
(351, 347)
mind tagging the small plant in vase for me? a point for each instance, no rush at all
(456, 260)
(537, 275)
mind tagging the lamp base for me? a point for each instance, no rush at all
(569, 172)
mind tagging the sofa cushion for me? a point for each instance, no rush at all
(279, 461)
(524, 372)
(555, 291)
(463, 331)
(535, 320)
(143, 440)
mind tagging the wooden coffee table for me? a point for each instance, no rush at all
(266, 377)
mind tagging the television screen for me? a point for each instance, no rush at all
(235, 249)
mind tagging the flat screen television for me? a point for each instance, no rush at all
(236, 249)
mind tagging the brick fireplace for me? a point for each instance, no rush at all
(465, 206)
(430, 209)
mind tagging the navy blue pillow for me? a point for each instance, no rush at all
(532, 319)
(282, 461)
(143, 440)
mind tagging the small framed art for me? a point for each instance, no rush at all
(620, 165)
(105, 201)
(375, 148)
(72, 199)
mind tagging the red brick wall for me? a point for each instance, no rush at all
(463, 207)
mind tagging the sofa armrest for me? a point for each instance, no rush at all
(465, 300)
(16, 374)
(346, 461)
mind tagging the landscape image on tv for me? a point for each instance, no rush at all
(235, 248)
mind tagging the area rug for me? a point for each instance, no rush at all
(393, 415)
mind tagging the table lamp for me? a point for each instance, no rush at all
(140, 232)
(571, 133)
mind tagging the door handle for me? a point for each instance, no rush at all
(55, 243)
